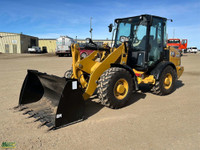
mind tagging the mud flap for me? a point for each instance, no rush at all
(53, 100)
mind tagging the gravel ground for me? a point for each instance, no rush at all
(148, 121)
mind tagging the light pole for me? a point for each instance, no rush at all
(91, 27)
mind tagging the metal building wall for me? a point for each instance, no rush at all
(10, 43)
(16, 43)
(49, 43)
(26, 42)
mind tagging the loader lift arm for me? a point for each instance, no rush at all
(95, 68)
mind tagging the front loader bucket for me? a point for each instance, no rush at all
(53, 100)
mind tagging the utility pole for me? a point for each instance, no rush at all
(91, 27)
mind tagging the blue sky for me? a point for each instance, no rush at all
(52, 18)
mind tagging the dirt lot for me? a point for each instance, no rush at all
(147, 122)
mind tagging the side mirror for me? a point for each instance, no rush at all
(110, 27)
(170, 20)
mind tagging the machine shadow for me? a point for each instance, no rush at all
(92, 106)
(145, 88)
(179, 84)
(135, 97)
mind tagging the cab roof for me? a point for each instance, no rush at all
(143, 15)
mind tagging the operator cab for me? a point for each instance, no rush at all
(146, 38)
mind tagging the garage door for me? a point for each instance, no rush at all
(15, 48)
(6, 48)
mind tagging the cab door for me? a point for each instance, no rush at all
(156, 40)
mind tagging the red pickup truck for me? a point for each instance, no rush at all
(178, 43)
(85, 50)
(84, 53)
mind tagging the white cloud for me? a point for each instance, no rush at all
(47, 35)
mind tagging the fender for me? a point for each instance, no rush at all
(160, 67)
(131, 72)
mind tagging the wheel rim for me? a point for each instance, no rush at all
(168, 81)
(121, 89)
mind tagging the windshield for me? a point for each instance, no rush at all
(173, 41)
(124, 30)
(132, 30)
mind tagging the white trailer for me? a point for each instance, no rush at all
(63, 46)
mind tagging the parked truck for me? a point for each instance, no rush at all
(192, 50)
(63, 46)
(34, 49)
(180, 44)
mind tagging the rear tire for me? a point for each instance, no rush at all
(68, 73)
(115, 87)
(83, 55)
(166, 84)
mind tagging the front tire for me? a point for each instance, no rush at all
(115, 87)
(166, 84)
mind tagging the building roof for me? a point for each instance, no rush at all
(78, 39)
(95, 39)
(17, 34)
(47, 39)
(51, 38)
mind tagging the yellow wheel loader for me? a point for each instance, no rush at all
(139, 56)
